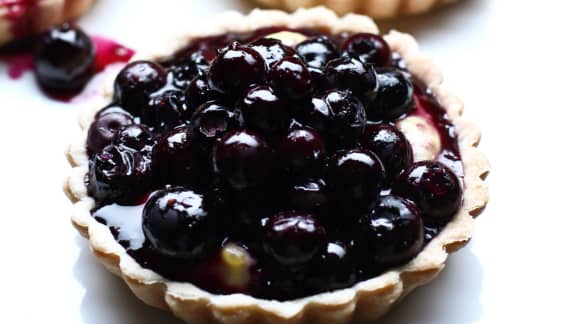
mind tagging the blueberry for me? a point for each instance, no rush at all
(199, 92)
(349, 117)
(187, 69)
(290, 78)
(394, 97)
(392, 233)
(354, 179)
(121, 175)
(264, 112)
(243, 158)
(64, 59)
(165, 111)
(293, 239)
(308, 196)
(211, 121)
(317, 51)
(136, 137)
(302, 153)
(333, 269)
(434, 188)
(318, 115)
(369, 48)
(176, 159)
(348, 73)
(272, 50)
(235, 69)
(104, 128)
(391, 146)
(177, 222)
(136, 82)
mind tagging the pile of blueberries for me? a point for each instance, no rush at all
(290, 152)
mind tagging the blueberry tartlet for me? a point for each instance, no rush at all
(22, 18)
(278, 168)
(374, 8)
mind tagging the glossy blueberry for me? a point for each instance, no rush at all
(369, 48)
(272, 50)
(211, 121)
(121, 175)
(349, 117)
(64, 59)
(184, 71)
(308, 195)
(177, 223)
(176, 159)
(317, 51)
(318, 77)
(302, 153)
(293, 239)
(348, 73)
(104, 128)
(391, 146)
(333, 269)
(394, 96)
(243, 159)
(318, 115)
(136, 82)
(136, 137)
(199, 92)
(434, 188)
(290, 78)
(392, 233)
(354, 178)
(264, 112)
(165, 111)
(235, 69)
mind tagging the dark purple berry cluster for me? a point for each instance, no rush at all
(291, 152)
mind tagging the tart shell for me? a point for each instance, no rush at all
(367, 300)
(373, 8)
(36, 17)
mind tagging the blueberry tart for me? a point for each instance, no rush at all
(379, 9)
(22, 18)
(277, 168)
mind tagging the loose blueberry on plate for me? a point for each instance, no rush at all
(64, 59)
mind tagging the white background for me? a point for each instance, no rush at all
(511, 61)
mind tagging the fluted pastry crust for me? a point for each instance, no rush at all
(38, 16)
(373, 8)
(367, 300)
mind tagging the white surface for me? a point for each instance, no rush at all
(512, 63)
